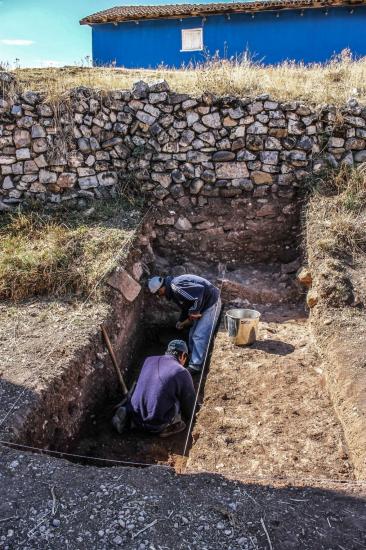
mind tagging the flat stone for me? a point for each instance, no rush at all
(269, 157)
(158, 97)
(107, 179)
(232, 170)
(187, 137)
(23, 154)
(304, 276)
(257, 128)
(8, 183)
(246, 155)
(192, 118)
(238, 144)
(158, 86)
(109, 143)
(312, 298)
(40, 145)
(37, 187)
(261, 178)
(140, 89)
(38, 131)
(196, 186)
(22, 138)
(162, 178)
(6, 160)
(30, 167)
(355, 144)
(212, 120)
(145, 118)
(223, 156)
(183, 224)
(296, 127)
(125, 284)
(88, 182)
(45, 176)
(45, 110)
(66, 180)
(360, 156)
(84, 171)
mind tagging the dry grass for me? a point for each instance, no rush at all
(62, 253)
(333, 82)
(336, 213)
(336, 234)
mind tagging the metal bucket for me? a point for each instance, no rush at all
(242, 326)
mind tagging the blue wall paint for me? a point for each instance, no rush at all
(309, 38)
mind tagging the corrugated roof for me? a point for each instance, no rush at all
(135, 13)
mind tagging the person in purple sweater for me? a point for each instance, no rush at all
(164, 395)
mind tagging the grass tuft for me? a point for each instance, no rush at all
(62, 253)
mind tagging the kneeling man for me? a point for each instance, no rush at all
(163, 396)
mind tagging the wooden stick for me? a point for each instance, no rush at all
(114, 360)
(266, 532)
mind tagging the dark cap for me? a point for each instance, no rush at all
(177, 345)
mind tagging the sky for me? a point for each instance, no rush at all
(42, 33)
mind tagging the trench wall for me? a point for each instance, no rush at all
(225, 174)
(55, 415)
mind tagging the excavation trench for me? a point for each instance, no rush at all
(264, 410)
(97, 437)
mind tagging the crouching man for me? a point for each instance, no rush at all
(164, 395)
(200, 304)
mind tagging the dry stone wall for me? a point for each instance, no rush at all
(224, 173)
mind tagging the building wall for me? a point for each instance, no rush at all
(311, 37)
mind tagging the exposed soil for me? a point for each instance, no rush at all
(38, 338)
(266, 409)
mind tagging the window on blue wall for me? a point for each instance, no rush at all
(192, 40)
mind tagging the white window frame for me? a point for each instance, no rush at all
(200, 48)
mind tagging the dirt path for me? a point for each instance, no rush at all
(266, 410)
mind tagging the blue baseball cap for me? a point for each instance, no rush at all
(177, 345)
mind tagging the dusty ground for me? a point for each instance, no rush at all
(266, 410)
(76, 507)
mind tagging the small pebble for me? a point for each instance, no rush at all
(56, 522)
(220, 525)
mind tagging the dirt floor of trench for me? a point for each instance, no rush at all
(267, 411)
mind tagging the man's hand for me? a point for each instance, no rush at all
(194, 316)
(182, 324)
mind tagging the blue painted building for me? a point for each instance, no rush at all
(270, 30)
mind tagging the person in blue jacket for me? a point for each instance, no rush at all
(199, 301)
